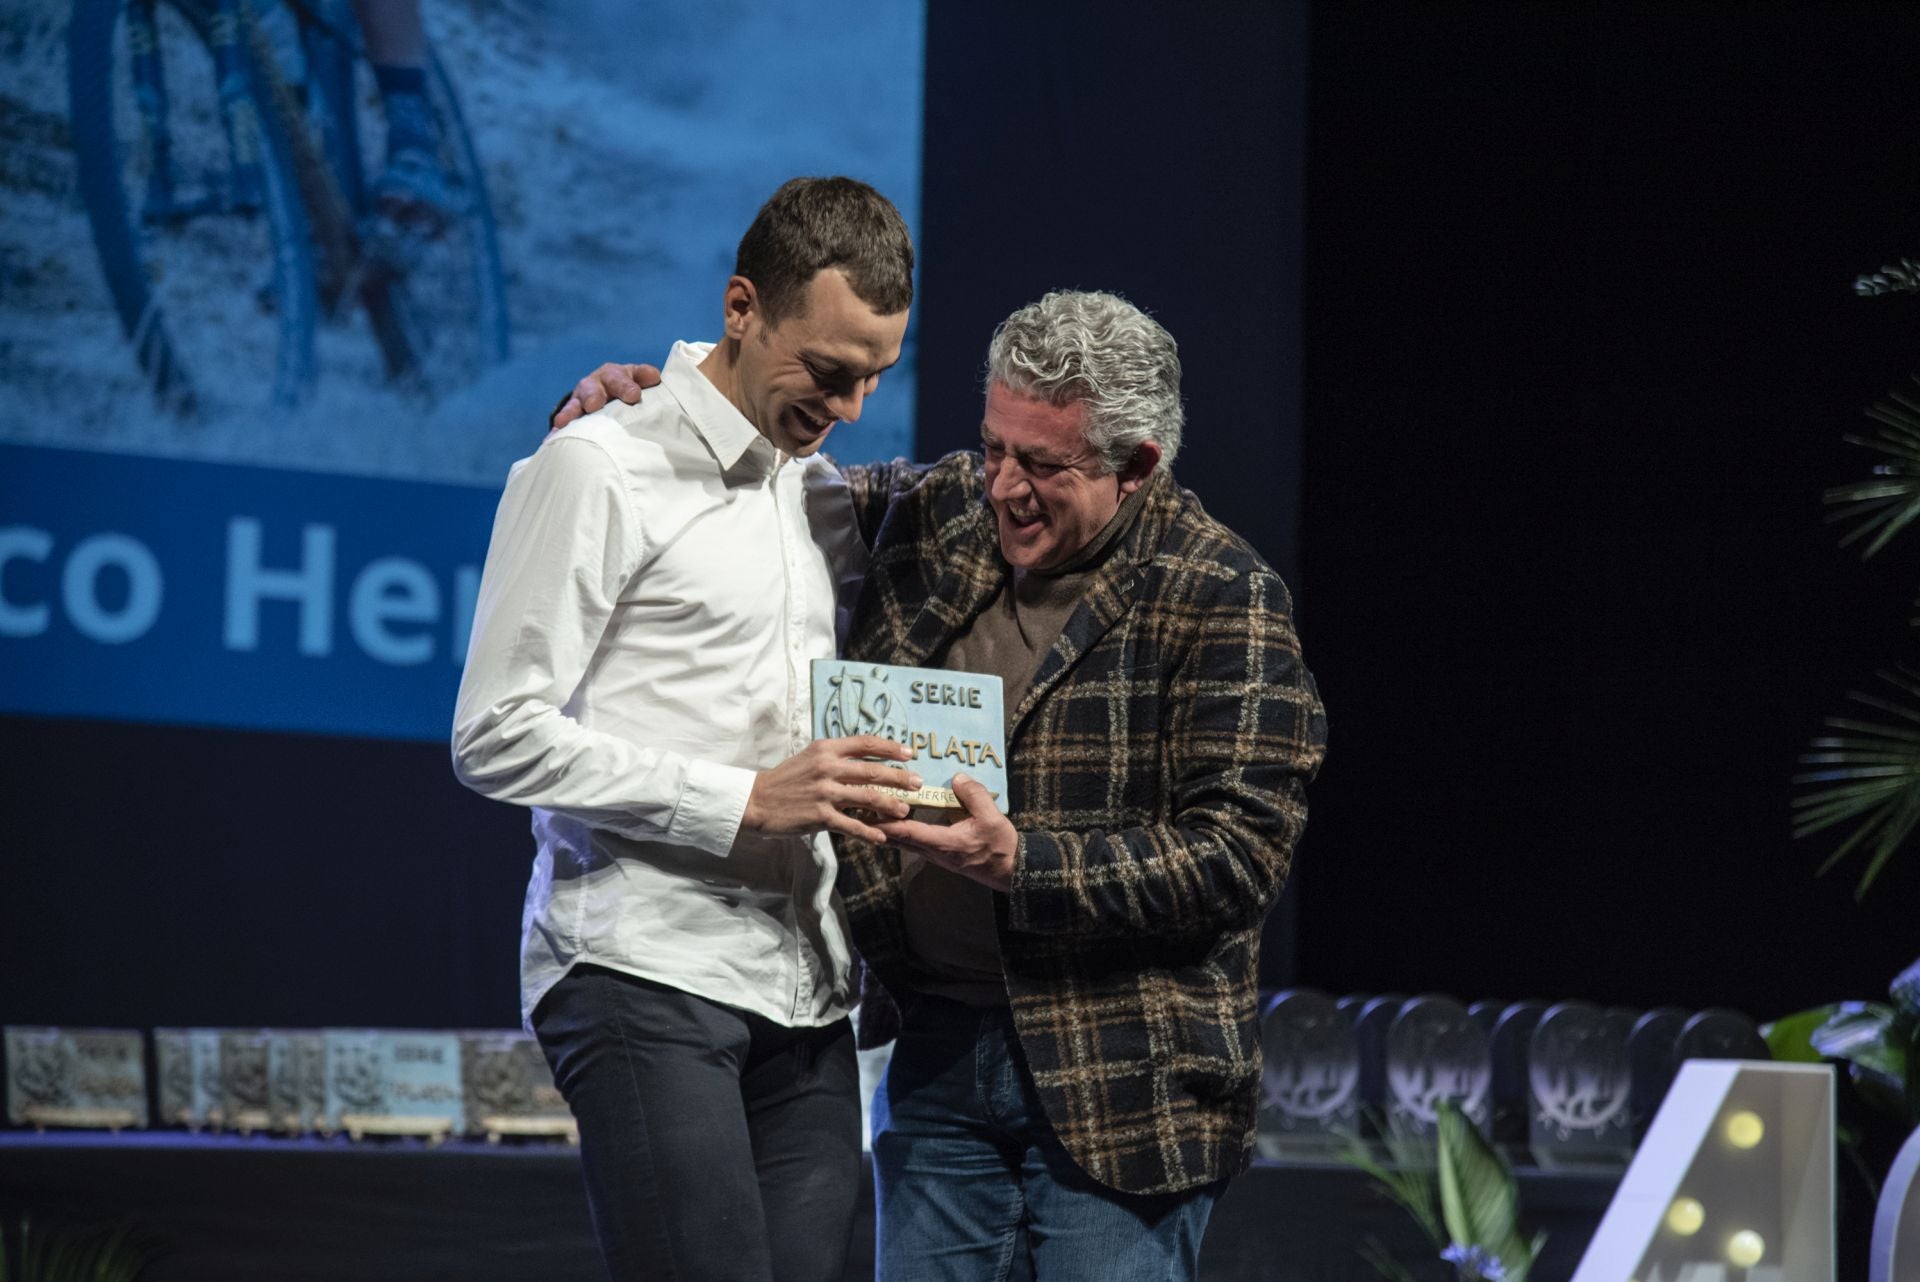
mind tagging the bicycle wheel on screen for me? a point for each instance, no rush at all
(432, 298)
(192, 197)
(469, 275)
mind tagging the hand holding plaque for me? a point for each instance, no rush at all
(827, 786)
(947, 722)
(953, 729)
(982, 846)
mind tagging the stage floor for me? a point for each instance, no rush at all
(229, 1209)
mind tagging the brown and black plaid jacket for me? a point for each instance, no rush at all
(1157, 775)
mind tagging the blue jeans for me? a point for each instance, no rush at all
(972, 1184)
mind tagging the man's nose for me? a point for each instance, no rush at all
(846, 405)
(1008, 479)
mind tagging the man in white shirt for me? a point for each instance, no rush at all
(659, 579)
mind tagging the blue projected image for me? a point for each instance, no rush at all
(248, 255)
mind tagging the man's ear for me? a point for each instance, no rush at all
(742, 304)
(1146, 457)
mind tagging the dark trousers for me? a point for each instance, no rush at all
(718, 1145)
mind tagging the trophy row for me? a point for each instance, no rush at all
(356, 1082)
(1571, 1084)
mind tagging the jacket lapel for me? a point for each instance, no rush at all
(1107, 598)
(970, 572)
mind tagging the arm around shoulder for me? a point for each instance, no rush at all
(874, 486)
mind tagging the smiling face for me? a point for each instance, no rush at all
(796, 377)
(1048, 488)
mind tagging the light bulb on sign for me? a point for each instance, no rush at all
(1745, 1129)
(1745, 1249)
(1685, 1216)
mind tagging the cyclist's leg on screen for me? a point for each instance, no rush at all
(411, 184)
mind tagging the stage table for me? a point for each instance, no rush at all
(233, 1209)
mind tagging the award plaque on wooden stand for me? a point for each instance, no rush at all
(510, 1091)
(188, 1062)
(94, 1078)
(296, 1080)
(245, 1081)
(384, 1083)
(952, 721)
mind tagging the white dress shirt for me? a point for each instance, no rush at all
(659, 579)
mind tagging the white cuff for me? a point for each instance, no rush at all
(711, 806)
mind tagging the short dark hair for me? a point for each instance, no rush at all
(812, 224)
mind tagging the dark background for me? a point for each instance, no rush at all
(1536, 427)
(1581, 346)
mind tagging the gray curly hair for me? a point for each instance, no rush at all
(1100, 350)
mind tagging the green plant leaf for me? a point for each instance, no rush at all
(1383, 1262)
(59, 1265)
(116, 1260)
(74, 1254)
(1478, 1198)
(1407, 1180)
(1867, 780)
(1894, 279)
(1879, 1046)
(1857, 1032)
(1883, 1093)
(1888, 503)
(1790, 1038)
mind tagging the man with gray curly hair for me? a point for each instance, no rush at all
(1101, 350)
(1104, 352)
(1073, 983)
(1108, 379)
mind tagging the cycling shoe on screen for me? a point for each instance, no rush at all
(413, 193)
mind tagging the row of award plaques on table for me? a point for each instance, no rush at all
(356, 1082)
(1569, 1084)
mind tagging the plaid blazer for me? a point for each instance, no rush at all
(1157, 771)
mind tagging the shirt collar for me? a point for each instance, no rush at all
(723, 427)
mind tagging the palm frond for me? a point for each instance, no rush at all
(82, 1253)
(1407, 1177)
(1902, 278)
(1875, 510)
(1375, 1253)
(1867, 778)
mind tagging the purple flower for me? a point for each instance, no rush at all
(1475, 1263)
